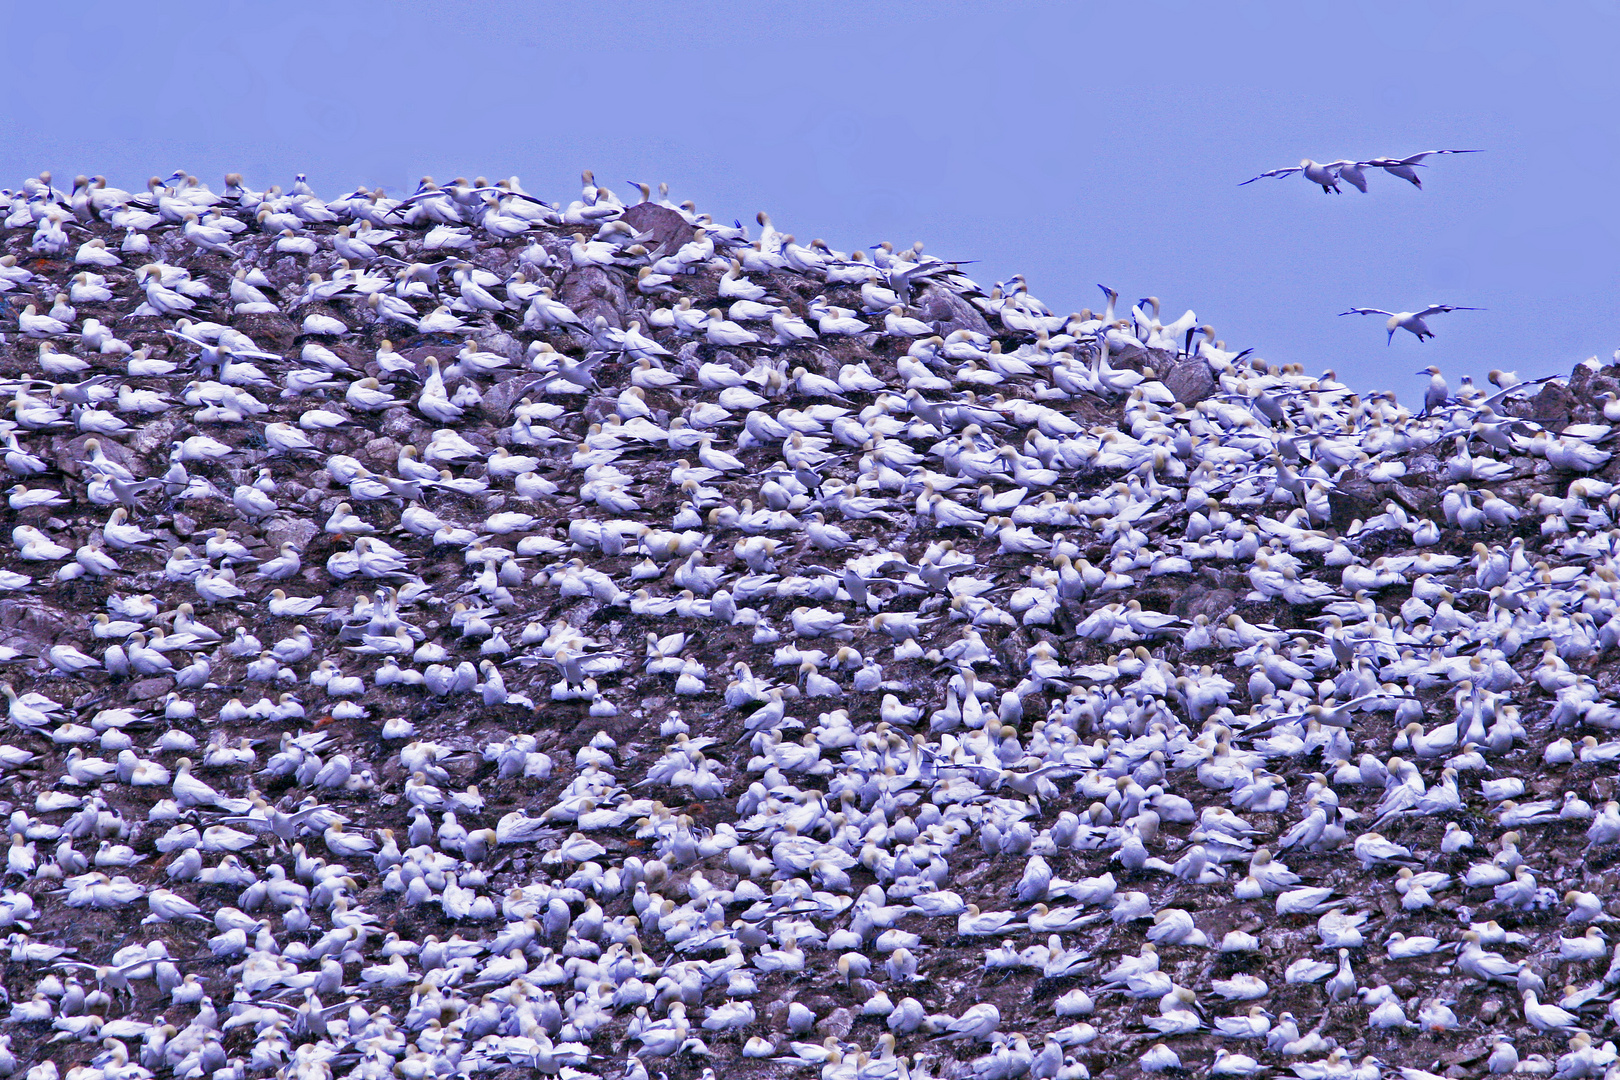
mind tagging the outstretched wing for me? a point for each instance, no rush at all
(413, 199)
(252, 353)
(1441, 309)
(1366, 311)
(199, 342)
(1416, 158)
(530, 198)
(1274, 172)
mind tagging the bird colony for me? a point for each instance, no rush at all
(463, 635)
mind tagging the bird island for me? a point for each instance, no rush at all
(468, 634)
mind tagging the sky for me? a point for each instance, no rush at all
(1075, 143)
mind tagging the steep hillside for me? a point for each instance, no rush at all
(466, 635)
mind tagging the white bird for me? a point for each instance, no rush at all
(976, 1023)
(1547, 1017)
(1326, 176)
(1412, 321)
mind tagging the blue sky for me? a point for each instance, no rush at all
(1073, 143)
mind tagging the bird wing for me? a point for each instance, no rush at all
(1418, 158)
(525, 195)
(416, 197)
(201, 344)
(1441, 309)
(1516, 389)
(1274, 172)
(254, 353)
(1366, 311)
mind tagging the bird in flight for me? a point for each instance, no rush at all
(1328, 174)
(1409, 320)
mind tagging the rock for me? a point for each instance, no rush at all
(836, 1023)
(1552, 406)
(597, 409)
(298, 531)
(669, 228)
(499, 399)
(1353, 499)
(382, 451)
(1198, 599)
(557, 245)
(399, 423)
(276, 333)
(150, 689)
(70, 455)
(501, 343)
(37, 620)
(1421, 501)
(148, 438)
(592, 291)
(947, 312)
(1586, 382)
(420, 351)
(1191, 381)
(776, 1009)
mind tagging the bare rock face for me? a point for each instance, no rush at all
(1190, 381)
(1199, 599)
(150, 689)
(272, 331)
(1355, 500)
(31, 625)
(669, 229)
(837, 1023)
(947, 312)
(297, 531)
(1552, 406)
(381, 452)
(71, 454)
(500, 398)
(593, 292)
(772, 694)
(149, 437)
